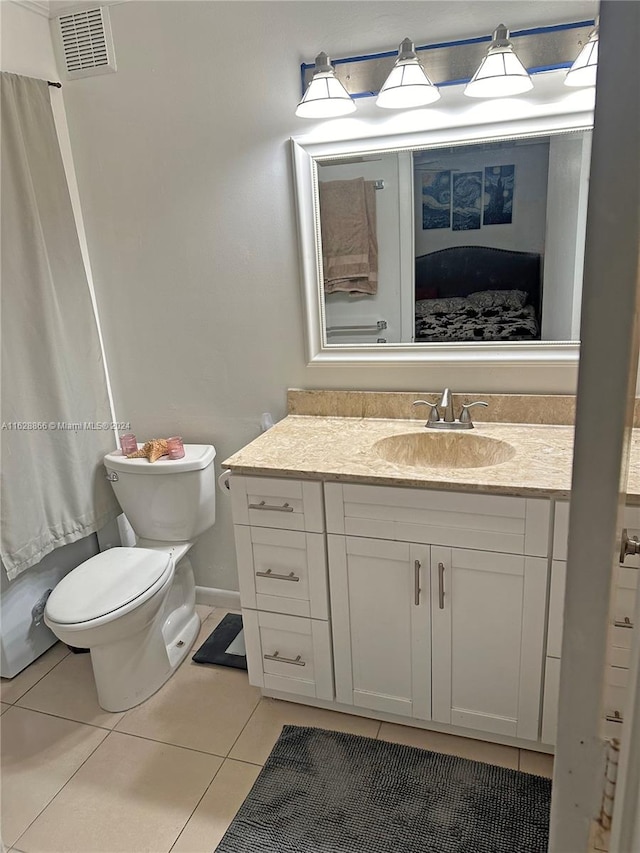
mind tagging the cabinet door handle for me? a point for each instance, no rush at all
(441, 586)
(623, 623)
(275, 576)
(416, 582)
(264, 505)
(295, 662)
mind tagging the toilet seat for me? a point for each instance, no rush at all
(117, 579)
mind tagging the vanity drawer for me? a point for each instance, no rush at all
(556, 608)
(614, 700)
(282, 571)
(560, 530)
(622, 615)
(481, 522)
(288, 653)
(615, 692)
(280, 503)
(630, 520)
(550, 703)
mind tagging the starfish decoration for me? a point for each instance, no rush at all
(153, 450)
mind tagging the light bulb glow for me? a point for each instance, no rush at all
(500, 74)
(407, 84)
(325, 97)
(584, 69)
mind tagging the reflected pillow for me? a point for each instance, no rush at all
(513, 299)
(453, 305)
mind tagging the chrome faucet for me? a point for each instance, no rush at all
(448, 420)
(446, 403)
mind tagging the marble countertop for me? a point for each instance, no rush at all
(343, 449)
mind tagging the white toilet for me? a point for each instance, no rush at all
(134, 608)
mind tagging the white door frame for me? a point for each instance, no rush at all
(606, 388)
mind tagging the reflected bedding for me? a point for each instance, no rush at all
(482, 316)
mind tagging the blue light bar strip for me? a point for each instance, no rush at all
(533, 31)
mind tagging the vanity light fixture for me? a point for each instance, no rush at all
(583, 70)
(407, 84)
(500, 73)
(325, 97)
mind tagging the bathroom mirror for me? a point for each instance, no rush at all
(449, 245)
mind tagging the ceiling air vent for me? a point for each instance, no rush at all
(85, 43)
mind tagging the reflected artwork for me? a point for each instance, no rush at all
(436, 200)
(498, 195)
(467, 195)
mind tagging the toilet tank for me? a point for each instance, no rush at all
(171, 500)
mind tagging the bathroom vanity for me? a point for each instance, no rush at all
(413, 593)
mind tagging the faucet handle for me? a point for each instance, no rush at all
(434, 414)
(465, 417)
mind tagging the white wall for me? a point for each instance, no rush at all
(183, 166)
(564, 260)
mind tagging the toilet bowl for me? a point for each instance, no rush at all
(134, 608)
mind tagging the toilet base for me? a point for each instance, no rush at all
(130, 671)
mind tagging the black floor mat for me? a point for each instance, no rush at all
(214, 648)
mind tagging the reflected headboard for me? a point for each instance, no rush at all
(461, 270)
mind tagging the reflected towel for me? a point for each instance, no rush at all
(349, 239)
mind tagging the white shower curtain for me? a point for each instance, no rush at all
(54, 402)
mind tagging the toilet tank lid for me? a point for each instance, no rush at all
(105, 583)
(196, 457)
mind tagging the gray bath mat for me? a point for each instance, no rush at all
(225, 645)
(329, 792)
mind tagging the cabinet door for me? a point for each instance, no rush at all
(381, 634)
(488, 618)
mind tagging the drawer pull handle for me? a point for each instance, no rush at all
(416, 582)
(441, 586)
(616, 717)
(270, 574)
(265, 505)
(276, 656)
(623, 623)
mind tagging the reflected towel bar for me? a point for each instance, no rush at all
(379, 326)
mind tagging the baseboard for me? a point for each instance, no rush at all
(227, 598)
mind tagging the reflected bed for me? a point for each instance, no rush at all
(476, 293)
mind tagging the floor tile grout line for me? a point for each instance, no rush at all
(258, 703)
(224, 761)
(131, 734)
(204, 794)
(44, 675)
(57, 794)
(169, 743)
(60, 717)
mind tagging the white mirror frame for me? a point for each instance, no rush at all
(305, 152)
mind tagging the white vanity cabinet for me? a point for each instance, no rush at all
(280, 546)
(620, 631)
(410, 603)
(434, 632)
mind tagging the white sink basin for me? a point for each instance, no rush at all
(444, 450)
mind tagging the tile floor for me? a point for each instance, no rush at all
(168, 775)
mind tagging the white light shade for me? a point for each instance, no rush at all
(325, 97)
(407, 84)
(583, 70)
(500, 73)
